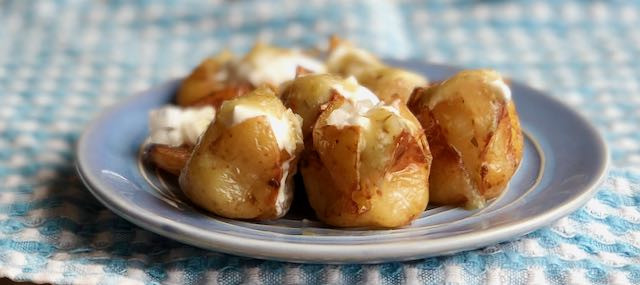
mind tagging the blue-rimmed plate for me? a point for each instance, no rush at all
(564, 160)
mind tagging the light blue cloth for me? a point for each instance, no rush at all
(63, 61)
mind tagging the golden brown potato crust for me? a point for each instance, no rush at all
(367, 178)
(474, 135)
(216, 98)
(236, 171)
(204, 80)
(388, 83)
(169, 158)
(306, 94)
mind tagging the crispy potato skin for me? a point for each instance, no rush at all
(169, 158)
(203, 81)
(474, 135)
(306, 94)
(235, 171)
(367, 178)
(216, 98)
(388, 83)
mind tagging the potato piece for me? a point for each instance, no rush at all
(216, 98)
(387, 82)
(306, 95)
(269, 65)
(391, 83)
(207, 78)
(244, 164)
(347, 60)
(474, 133)
(224, 77)
(370, 169)
(169, 158)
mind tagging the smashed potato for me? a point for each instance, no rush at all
(389, 83)
(368, 167)
(474, 134)
(206, 79)
(216, 98)
(243, 165)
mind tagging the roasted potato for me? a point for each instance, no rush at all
(474, 134)
(273, 66)
(307, 94)
(392, 83)
(389, 83)
(243, 165)
(169, 158)
(216, 98)
(210, 77)
(224, 77)
(368, 167)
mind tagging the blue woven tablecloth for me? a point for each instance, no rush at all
(63, 61)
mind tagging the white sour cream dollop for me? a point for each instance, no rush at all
(280, 126)
(275, 66)
(175, 126)
(359, 101)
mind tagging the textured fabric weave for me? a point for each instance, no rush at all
(63, 61)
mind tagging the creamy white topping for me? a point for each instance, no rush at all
(502, 89)
(349, 115)
(275, 66)
(283, 194)
(359, 101)
(175, 126)
(351, 90)
(281, 127)
(392, 109)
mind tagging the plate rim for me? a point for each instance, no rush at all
(331, 253)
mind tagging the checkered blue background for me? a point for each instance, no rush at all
(63, 61)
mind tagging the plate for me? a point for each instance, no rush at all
(565, 159)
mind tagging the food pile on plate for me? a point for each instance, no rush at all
(373, 143)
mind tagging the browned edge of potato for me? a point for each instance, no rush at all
(236, 171)
(169, 158)
(204, 80)
(387, 82)
(353, 179)
(474, 135)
